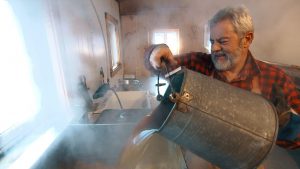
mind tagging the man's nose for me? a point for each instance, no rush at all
(215, 47)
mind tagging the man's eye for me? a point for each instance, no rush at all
(223, 42)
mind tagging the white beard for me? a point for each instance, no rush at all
(229, 62)
(223, 65)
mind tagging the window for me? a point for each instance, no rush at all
(20, 96)
(29, 122)
(167, 36)
(113, 43)
(207, 44)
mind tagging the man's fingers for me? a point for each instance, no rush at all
(155, 61)
(161, 54)
(172, 61)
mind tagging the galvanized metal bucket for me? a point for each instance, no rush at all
(229, 127)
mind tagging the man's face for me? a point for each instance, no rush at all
(226, 47)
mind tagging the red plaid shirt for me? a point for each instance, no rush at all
(267, 74)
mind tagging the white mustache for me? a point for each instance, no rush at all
(219, 54)
(215, 55)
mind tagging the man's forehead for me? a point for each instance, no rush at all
(223, 28)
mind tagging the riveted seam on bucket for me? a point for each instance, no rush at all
(274, 138)
(185, 126)
(186, 96)
(174, 97)
(182, 107)
(168, 118)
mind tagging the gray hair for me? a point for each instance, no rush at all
(238, 16)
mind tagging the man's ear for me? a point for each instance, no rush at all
(248, 38)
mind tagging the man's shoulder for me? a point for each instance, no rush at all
(267, 67)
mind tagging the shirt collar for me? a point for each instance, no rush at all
(250, 69)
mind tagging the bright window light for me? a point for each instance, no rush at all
(167, 36)
(114, 45)
(113, 39)
(207, 44)
(35, 150)
(20, 98)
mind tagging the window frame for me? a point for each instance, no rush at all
(16, 131)
(109, 19)
(165, 31)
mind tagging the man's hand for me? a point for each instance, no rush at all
(281, 105)
(160, 53)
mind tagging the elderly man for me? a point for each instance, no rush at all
(231, 34)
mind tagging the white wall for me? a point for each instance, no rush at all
(80, 43)
(82, 38)
(111, 7)
(276, 24)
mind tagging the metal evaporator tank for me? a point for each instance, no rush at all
(229, 127)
